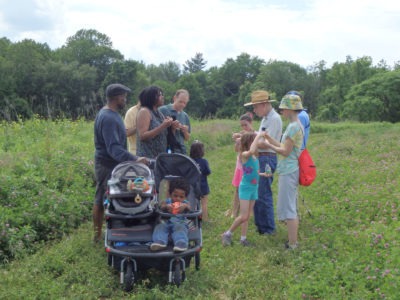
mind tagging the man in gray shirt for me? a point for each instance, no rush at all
(272, 123)
(181, 132)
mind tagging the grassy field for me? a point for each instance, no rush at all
(349, 228)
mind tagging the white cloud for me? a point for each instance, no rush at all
(158, 31)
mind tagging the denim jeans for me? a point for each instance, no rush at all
(264, 206)
(177, 229)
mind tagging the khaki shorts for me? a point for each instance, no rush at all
(287, 196)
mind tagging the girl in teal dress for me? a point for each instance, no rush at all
(248, 187)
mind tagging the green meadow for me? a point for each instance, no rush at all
(349, 228)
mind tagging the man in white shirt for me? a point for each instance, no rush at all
(272, 123)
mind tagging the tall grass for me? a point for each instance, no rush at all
(349, 229)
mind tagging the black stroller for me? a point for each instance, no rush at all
(132, 213)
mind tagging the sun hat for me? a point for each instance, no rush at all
(292, 102)
(295, 93)
(116, 89)
(259, 97)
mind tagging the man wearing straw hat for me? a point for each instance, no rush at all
(271, 122)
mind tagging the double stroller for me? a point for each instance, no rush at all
(132, 211)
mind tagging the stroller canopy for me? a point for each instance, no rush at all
(125, 175)
(175, 164)
(130, 169)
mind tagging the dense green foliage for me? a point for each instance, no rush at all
(46, 181)
(70, 82)
(349, 246)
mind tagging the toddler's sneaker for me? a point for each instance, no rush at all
(226, 239)
(156, 246)
(291, 247)
(245, 243)
(180, 247)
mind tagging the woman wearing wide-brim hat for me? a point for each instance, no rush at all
(288, 150)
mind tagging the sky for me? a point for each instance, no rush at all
(160, 31)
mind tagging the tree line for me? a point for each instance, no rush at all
(69, 82)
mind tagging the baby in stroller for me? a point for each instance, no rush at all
(175, 227)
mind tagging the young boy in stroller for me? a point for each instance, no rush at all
(175, 227)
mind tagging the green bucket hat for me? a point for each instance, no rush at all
(292, 102)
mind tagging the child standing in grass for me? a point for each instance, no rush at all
(197, 154)
(246, 122)
(248, 187)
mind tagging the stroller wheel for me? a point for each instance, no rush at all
(178, 278)
(197, 260)
(110, 259)
(129, 277)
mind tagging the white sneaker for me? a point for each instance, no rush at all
(157, 246)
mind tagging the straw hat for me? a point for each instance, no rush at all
(259, 97)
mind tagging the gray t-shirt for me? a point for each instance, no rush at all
(272, 123)
(183, 118)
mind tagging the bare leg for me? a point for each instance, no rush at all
(293, 226)
(245, 225)
(98, 215)
(234, 211)
(235, 204)
(243, 216)
(204, 203)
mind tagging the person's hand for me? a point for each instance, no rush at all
(183, 207)
(143, 160)
(184, 128)
(236, 136)
(168, 208)
(167, 122)
(261, 134)
(175, 125)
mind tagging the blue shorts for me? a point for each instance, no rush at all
(248, 192)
